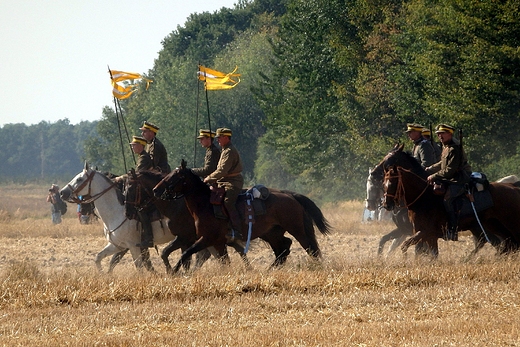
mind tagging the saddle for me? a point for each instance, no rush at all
(478, 189)
(252, 199)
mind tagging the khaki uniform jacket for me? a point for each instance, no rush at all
(159, 155)
(144, 162)
(210, 162)
(453, 166)
(229, 169)
(424, 153)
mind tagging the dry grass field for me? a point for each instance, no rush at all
(52, 295)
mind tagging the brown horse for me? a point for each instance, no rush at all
(405, 182)
(284, 212)
(139, 195)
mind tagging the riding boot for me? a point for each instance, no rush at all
(451, 231)
(236, 225)
(147, 234)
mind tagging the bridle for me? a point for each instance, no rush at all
(90, 198)
(138, 202)
(168, 193)
(400, 193)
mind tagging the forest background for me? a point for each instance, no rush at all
(327, 87)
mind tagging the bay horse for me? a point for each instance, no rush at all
(283, 213)
(405, 181)
(121, 233)
(139, 195)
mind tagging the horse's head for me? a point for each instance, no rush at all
(391, 189)
(175, 184)
(79, 185)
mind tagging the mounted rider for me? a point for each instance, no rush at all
(422, 149)
(144, 162)
(155, 148)
(427, 134)
(454, 171)
(228, 175)
(212, 153)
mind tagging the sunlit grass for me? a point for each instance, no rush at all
(51, 294)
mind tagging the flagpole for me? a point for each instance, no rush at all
(116, 104)
(196, 120)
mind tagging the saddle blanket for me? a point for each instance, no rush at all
(482, 202)
(258, 207)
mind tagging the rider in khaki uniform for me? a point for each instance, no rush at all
(453, 170)
(427, 134)
(155, 148)
(144, 162)
(212, 153)
(229, 176)
(422, 149)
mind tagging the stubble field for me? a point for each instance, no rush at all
(52, 295)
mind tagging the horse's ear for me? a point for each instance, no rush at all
(86, 166)
(132, 172)
(400, 149)
(183, 164)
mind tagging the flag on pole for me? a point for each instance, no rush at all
(124, 91)
(216, 80)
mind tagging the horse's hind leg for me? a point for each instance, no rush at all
(280, 245)
(116, 258)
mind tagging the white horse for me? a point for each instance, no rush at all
(121, 233)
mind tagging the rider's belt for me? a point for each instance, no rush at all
(234, 174)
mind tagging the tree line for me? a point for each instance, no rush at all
(328, 86)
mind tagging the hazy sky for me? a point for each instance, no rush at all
(54, 54)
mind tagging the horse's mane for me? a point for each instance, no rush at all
(416, 167)
(153, 175)
(198, 183)
(107, 177)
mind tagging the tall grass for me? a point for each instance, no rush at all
(51, 294)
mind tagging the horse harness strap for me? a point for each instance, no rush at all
(400, 188)
(89, 182)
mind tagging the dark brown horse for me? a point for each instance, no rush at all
(405, 182)
(284, 212)
(139, 195)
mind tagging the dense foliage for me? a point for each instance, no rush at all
(328, 86)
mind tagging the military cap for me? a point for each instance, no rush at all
(149, 126)
(205, 133)
(426, 132)
(138, 139)
(444, 128)
(224, 132)
(413, 127)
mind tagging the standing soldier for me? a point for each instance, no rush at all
(453, 170)
(54, 198)
(422, 149)
(212, 153)
(155, 148)
(228, 175)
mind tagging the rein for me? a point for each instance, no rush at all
(74, 197)
(400, 193)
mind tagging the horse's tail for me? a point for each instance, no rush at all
(313, 211)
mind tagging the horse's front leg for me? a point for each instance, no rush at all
(199, 245)
(116, 259)
(412, 241)
(109, 249)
